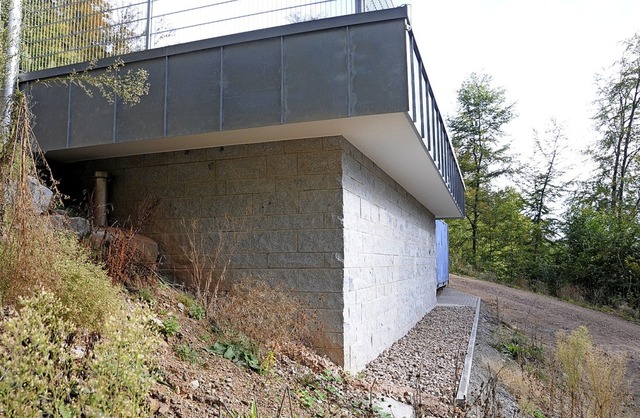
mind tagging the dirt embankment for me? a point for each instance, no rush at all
(544, 316)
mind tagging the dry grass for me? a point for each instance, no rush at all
(272, 316)
(119, 251)
(208, 269)
(579, 380)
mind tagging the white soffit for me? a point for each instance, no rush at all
(389, 140)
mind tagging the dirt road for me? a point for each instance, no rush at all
(545, 316)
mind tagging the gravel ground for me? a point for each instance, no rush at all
(429, 359)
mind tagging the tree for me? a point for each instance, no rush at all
(543, 186)
(63, 32)
(618, 120)
(476, 134)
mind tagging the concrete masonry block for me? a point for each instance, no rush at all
(320, 280)
(321, 300)
(298, 146)
(249, 186)
(296, 260)
(248, 261)
(130, 161)
(182, 209)
(280, 241)
(293, 221)
(320, 201)
(241, 168)
(189, 156)
(300, 182)
(322, 162)
(333, 220)
(266, 148)
(333, 143)
(228, 152)
(320, 240)
(282, 165)
(229, 205)
(194, 172)
(278, 202)
(331, 320)
(158, 158)
(351, 203)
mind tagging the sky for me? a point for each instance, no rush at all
(544, 53)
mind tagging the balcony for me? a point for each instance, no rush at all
(359, 75)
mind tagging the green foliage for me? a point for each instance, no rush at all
(476, 132)
(602, 255)
(194, 309)
(43, 375)
(520, 347)
(170, 326)
(186, 353)
(240, 352)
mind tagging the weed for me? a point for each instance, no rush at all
(146, 295)
(240, 352)
(267, 363)
(186, 353)
(170, 326)
(208, 269)
(194, 309)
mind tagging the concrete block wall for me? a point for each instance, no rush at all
(277, 206)
(389, 260)
(312, 215)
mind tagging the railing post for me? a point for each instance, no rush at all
(359, 6)
(149, 27)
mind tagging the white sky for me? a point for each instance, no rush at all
(545, 53)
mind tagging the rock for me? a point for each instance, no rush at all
(41, 195)
(194, 384)
(145, 246)
(394, 408)
(79, 226)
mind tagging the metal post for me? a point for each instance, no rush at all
(149, 26)
(359, 6)
(13, 58)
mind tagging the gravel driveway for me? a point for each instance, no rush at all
(545, 316)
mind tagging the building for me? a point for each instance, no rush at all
(317, 147)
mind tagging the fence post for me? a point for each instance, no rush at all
(149, 27)
(13, 58)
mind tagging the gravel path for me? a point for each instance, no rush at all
(429, 358)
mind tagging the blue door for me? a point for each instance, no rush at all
(442, 253)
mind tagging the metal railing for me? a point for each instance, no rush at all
(67, 32)
(427, 118)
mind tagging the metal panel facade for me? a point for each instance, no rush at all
(316, 72)
(355, 68)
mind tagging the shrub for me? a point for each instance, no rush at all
(44, 374)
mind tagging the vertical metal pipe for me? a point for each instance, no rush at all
(13, 58)
(100, 198)
(149, 26)
(358, 4)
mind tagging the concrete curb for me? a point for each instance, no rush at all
(463, 386)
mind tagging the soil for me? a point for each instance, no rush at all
(544, 317)
(420, 369)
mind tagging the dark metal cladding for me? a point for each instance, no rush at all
(316, 72)
(193, 92)
(145, 120)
